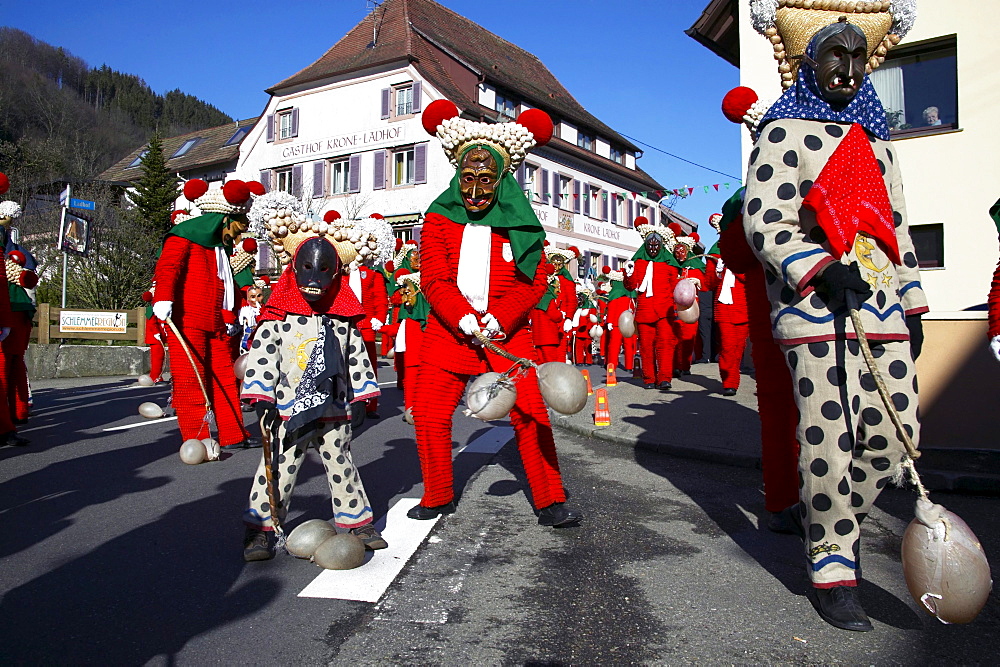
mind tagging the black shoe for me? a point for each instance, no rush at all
(557, 514)
(728, 391)
(256, 545)
(421, 513)
(372, 538)
(666, 386)
(687, 372)
(20, 422)
(651, 385)
(678, 373)
(372, 415)
(788, 522)
(13, 439)
(252, 443)
(839, 606)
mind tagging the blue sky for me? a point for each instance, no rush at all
(628, 62)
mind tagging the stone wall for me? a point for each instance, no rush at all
(69, 361)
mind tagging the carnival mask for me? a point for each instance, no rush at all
(232, 228)
(840, 64)
(478, 178)
(414, 256)
(653, 243)
(559, 263)
(680, 252)
(410, 294)
(316, 268)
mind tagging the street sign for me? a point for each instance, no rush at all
(82, 203)
(63, 196)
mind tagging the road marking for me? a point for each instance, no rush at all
(142, 423)
(369, 582)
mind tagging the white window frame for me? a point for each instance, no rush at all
(585, 141)
(283, 180)
(284, 123)
(531, 181)
(505, 106)
(565, 196)
(402, 95)
(408, 154)
(340, 176)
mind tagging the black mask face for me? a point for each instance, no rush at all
(653, 244)
(316, 268)
(840, 64)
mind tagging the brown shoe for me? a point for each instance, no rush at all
(371, 537)
(257, 545)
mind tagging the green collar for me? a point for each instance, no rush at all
(204, 230)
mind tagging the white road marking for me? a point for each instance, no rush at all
(369, 582)
(142, 423)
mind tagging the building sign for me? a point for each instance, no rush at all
(601, 231)
(351, 142)
(541, 214)
(76, 321)
(566, 221)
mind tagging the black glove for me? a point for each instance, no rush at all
(916, 328)
(267, 414)
(838, 278)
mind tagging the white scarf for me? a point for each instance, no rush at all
(726, 293)
(647, 280)
(401, 337)
(225, 272)
(354, 281)
(474, 265)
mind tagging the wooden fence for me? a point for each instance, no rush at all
(44, 331)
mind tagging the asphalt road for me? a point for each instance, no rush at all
(117, 553)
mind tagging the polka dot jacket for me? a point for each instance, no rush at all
(279, 362)
(787, 158)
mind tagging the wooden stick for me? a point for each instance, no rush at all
(194, 366)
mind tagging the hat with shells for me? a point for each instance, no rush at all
(354, 246)
(644, 228)
(714, 220)
(403, 248)
(791, 24)
(689, 241)
(14, 264)
(511, 140)
(8, 209)
(244, 254)
(376, 226)
(567, 254)
(233, 198)
(411, 278)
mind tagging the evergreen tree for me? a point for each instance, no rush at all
(156, 190)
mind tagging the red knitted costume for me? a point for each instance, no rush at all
(656, 338)
(730, 317)
(615, 339)
(547, 333)
(375, 300)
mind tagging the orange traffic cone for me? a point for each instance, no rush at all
(590, 387)
(612, 377)
(602, 414)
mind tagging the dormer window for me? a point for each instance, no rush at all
(505, 106)
(137, 160)
(585, 141)
(185, 147)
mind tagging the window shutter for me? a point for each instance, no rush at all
(604, 205)
(297, 181)
(630, 211)
(270, 127)
(521, 171)
(354, 177)
(556, 190)
(420, 163)
(295, 122)
(265, 179)
(545, 186)
(378, 174)
(386, 95)
(319, 173)
(416, 97)
(576, 196)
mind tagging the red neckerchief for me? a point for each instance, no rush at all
(286, 299)
(850, 196)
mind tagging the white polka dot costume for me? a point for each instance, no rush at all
(848, 446)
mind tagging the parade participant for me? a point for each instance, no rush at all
(408, 333)
(306, 365)
(825, 216)
(559, 258)
(406, 260)
(693, 269)
(620, 299)
(546, 324)
(10, 363)
(482, 274)
(584, 319)
(650, 274)
(369, 286)
(156, 338)
(994, 298)
(730, 312)
(195, 289)
(248, 315)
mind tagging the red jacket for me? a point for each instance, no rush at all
(732, 313)
(187, 274)
(994, 304)
(374, 299)
(546, 325)
(615, 309)
(651, 309)
(567, 297)
(511, 298)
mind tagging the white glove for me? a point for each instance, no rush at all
(163, 309)
(4, 332)
(610, 326)
(567, 325)
(629, 267)
(491, 324)
(720, 267)
(156, 336)
(995, 346)
(469, 325)
(696, 282)
(376, 324)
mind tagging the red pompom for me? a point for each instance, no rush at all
(256, 188)
(266, 280)
(695, 236)
(236, 191)
(194, 189)
(538, 123)
(737, 102)
(28, 279)
(390, 266)
(715, 217)
(399, 245)
(641, 220)
(545, 244)
(17, 257)
(377, 216)
(575, 250)
(676, 229)
(548, 268)
(174, 214)
(4, 183)
(331, 216)
(250, 245)
(436, 113)
(147, 296)
(606, 270)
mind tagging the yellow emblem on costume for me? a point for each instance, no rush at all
(863, 251)
(300, 355)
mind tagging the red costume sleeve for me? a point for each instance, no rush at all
(441, 290)
(736, 252)
(631, 282)
(170, 268)
(994, 304)
(513, 308)
(380, 297)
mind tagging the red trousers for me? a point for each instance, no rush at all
(532, 432)
(7, 391)
(547, 353)
(372, 403)
(582, 345)
(213, 357)
(614, 349)
(732, 343)
(156, 354)
(14, 370)
(684, 334)
(656, 351)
